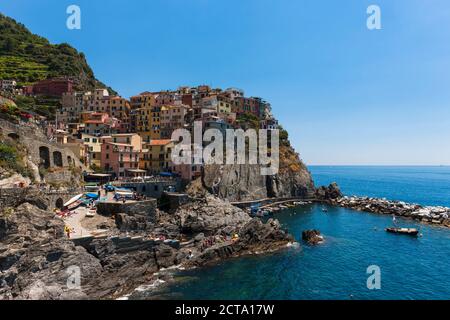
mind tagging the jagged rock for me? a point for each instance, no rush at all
(253, 236)
(327, 193)
(209, 215)
(312, 237)
(35, 255)
(126, 222)
(165, 256)
(257, 232)
(245, 181)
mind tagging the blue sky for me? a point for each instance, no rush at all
(347, 95)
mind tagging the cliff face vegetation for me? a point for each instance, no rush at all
(28, 58)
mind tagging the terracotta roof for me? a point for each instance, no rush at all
(160, 142)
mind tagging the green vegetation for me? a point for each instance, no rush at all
(21, 69)
(44, 106)
(249, 119)
(284, 137)
(28, 58)
(8, 110)
(11, 158)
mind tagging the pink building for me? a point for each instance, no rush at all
(120, 154)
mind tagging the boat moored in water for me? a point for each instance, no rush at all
(407, 231)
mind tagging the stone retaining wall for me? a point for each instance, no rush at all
(13, 197)
(145, 207)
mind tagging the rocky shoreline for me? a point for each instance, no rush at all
(36, 257)
(435, 215)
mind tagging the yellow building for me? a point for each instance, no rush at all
(119, 108)
(157, 156)
(148, 123)
(145, 99)
(224, 107)
(93, 147)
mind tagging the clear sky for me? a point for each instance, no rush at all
(347, 95)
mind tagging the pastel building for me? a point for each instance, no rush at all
(120, 154)
(100, 124)
(158, 156)
(148, 123)
(171, 118)
(72, 105)
(93, 150)
(8, 84)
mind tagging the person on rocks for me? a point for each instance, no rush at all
(67, 231)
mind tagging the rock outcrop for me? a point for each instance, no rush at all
(208, 215)
(328, 193)
(428, 214)
(35, 258)
(312, 237)
(245, 182)
(37, 261)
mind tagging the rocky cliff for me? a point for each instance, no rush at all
(245, 182)
(37, 261)
(28, 156)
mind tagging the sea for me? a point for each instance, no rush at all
(356, 244)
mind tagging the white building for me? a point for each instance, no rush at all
(8, 84)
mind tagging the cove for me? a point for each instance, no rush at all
(411, 268)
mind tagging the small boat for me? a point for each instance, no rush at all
(407, 231)
(74, 205)
(72, 200)
(324, 209)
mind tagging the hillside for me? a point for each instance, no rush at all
(28, 58)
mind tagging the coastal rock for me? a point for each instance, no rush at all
(312, 237)
(255, 236)
(36, 258)
(328, 193)
(127, 222)
(256, 232)
(209, 215)
(435, 215)
(245, 181)
(235, 182)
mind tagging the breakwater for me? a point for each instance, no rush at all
(438, 215)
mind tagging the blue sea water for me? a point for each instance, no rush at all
(411, 268)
